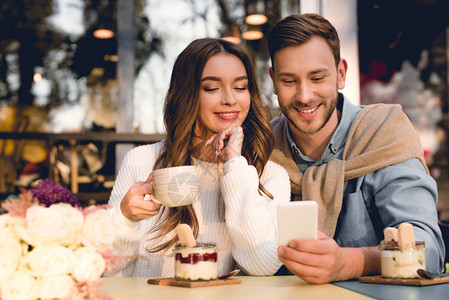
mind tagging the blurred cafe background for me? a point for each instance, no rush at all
(83, 81)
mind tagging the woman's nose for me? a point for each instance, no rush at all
(228, 98)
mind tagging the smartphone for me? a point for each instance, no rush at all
(297, 220)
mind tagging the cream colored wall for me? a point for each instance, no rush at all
(343, 15)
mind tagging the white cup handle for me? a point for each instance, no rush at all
(149, 197)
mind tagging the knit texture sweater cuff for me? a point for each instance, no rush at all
(235, 164)
(122, 222)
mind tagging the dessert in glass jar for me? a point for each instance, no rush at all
(196, 263)
(397, 262)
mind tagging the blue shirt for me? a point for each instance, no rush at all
(399, 193)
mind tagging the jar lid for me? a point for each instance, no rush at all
(393, 246)
(199, 245)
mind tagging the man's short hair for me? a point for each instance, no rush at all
(298, 29)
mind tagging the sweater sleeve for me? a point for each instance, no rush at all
(251, 216)
(135, 167)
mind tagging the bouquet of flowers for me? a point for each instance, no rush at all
(51, 247)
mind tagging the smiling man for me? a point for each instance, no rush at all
(363, 165)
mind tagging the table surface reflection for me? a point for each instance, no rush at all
(271, 287)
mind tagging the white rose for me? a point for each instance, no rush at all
(45, 226)
(10, 254)
(7, 224)
(50, 261)
(20, 285)
(73, 219)
(98, 230)
(90, 265)
(56, 287)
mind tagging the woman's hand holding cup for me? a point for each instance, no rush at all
(134, 206)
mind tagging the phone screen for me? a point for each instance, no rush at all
(297, 220)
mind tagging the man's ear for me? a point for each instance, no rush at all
(341, 73)
(272, 76)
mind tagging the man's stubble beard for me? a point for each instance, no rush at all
(329, 112)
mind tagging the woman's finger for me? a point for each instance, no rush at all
(136, 208)
(152, 198)
(211, 139)
(142, 188)
(150, 178)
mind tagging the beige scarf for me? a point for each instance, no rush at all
(381, 135)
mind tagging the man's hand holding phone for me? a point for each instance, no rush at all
(307, 252)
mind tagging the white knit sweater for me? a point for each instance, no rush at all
(230, 212)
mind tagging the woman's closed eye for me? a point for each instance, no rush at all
(243, 88)
(210, 89)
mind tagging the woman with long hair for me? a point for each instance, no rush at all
(215, 120)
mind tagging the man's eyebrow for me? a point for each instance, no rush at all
(286, 74)
(319, 70)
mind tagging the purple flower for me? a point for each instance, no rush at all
(48, 192)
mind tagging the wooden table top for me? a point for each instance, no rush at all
(270, 287)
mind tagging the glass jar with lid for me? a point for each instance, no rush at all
(196, 263)
(401, 263)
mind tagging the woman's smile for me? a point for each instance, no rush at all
(228, 115)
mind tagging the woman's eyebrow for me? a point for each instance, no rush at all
(213, 78)
(244, 77)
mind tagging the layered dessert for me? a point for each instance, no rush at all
(395, 263)
(196, 263)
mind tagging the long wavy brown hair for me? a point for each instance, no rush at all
(180, 113)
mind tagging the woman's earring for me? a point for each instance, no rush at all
(197, 129)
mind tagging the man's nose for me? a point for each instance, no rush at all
(304, 93)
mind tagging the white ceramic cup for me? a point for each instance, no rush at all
(175, 186)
